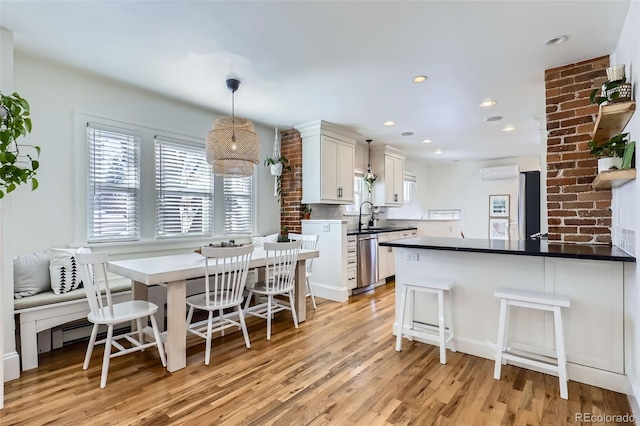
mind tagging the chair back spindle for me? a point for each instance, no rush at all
(89, 264)
(281, 265)
(228, 266)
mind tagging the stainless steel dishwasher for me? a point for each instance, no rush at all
(367, 259)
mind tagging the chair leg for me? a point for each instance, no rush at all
(403, 300)
(207, 354)
(189, 316)
(92, 342)
(313, 299)
(293, 309)
(156, 334)
(270, 300)
(221, 316)
(140, 333)
(501, 338)
(106, 357)
(244, 327)
(443, 348)
(561, 353)
(505, 342)
(246, 304)
(452, 336)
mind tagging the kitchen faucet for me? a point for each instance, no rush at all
(360, 215)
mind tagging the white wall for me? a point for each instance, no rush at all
(458, 186)
(46, 217)
(626, 201)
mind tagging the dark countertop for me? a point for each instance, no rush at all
(379, 230)
(518, 247)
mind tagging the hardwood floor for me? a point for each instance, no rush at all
(339, 368)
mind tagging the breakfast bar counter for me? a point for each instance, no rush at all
(593, 276)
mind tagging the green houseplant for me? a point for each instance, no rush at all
(306, 212)
(278, 166)
(609, 153)
(16, 166)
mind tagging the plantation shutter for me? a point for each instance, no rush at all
(184, 189)
(238, 205)
(114, 184)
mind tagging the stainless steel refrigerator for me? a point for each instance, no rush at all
(529, 205)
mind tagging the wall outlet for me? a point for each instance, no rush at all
(326, 228)
(412, 257)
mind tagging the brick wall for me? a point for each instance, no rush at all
(291, 201)
(577, 213)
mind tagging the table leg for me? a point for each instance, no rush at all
(176, 346)
(140, 292)
(301, 291)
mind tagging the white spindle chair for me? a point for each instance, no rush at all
(107, 313)
(309, 242)
(225, 278)
(281, 260)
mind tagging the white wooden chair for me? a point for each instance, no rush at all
(229, 267)
(111, 314)
(279, 279)
(309, 242)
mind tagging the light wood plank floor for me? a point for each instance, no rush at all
(339, 368)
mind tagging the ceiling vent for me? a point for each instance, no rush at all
(503, 172)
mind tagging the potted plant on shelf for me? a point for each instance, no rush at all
(616, 89)
(283, 236)
(306, 212)
(610, 153)
(278, 166)
(16, 167)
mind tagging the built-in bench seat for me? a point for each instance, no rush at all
(46, 310)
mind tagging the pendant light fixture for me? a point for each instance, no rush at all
(233, 147)
(369, 176)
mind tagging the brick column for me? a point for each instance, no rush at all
(576, 212)
(291, 201)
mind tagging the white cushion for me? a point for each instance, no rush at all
(260, 240)
(65, 275)
(31, 274)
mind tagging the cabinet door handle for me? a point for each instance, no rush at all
(395, 197)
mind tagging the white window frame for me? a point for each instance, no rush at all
(132, 189)
(359, 192)
(252, 213)
(206, 193)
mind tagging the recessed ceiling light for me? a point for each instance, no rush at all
(389, 123)
(419, 78)
(494, 118)
(438, 152)
(488, 103)
(556, 40)
(407, 134)
(508, 128)
(427, 141)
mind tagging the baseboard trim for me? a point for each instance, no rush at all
(11, 363)
(634, 397)
(326, 291)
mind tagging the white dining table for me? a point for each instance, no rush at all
(174, 271)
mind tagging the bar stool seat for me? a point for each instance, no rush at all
(555, 361)
(407, 295)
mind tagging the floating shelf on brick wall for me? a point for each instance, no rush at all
(613, 178)
(612, 119)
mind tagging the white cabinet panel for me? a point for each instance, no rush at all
(388, 165)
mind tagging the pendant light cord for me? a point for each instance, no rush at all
(233, 116)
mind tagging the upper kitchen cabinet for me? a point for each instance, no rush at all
(388, 164)
(328, 153)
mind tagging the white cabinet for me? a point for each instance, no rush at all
(328, 155)
(388, 165)
(383, 256)
(352, 262)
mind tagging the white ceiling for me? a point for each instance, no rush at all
(346, 62)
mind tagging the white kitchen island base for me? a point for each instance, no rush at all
(594, 332)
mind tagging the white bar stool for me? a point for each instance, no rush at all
(407, 295)
(532, 300)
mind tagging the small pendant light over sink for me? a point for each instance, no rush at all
(233, 147)
(369, 177)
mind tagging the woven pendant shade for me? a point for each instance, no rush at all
(233, 157)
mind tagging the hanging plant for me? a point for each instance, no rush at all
(370, 181)
(279, 165)
(16, 167)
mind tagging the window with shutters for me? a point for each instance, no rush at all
(238, 205)
(113, 199)
(184, 189)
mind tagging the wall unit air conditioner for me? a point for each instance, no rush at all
(503, 172)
